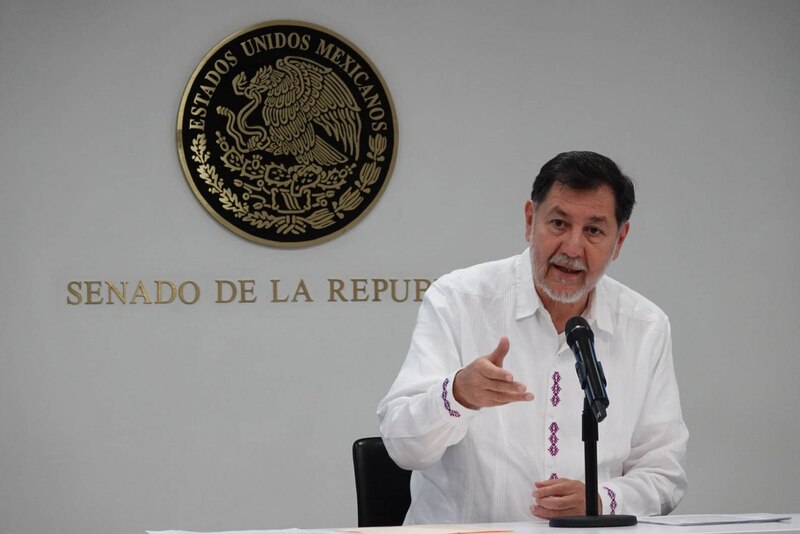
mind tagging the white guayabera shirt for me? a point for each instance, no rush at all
(480, 465)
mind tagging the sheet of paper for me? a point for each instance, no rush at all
(712, 519)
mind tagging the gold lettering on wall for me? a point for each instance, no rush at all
(245, 291)
(231, 289)
(166, 292)
(279, 295)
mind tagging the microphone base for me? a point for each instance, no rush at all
(591, 521)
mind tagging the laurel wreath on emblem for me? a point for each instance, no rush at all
(293, 223)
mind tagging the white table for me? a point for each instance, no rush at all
(542, 527)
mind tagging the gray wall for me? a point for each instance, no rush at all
(121, 418)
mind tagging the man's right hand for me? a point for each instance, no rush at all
(485, 383)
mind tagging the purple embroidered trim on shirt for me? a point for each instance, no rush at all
(447, 407)
(556, 389)
(613, 497)
(553, 438)
(553, 476)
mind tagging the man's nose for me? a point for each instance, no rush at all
(573, 243)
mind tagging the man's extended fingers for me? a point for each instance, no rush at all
(485, 383)
(502, 387)
(497, 355)
(489, 370)
(502, 382)
(499, 399)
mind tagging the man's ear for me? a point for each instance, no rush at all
(623, 233)
(529, 211)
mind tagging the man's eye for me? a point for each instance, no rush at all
(593, 230)
(558, 223)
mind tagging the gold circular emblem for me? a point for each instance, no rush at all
(287, 133)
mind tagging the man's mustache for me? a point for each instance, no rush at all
(563, 260)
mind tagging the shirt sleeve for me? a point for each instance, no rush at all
(654, 479)
(420, 417)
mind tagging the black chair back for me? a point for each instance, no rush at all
(382, 490)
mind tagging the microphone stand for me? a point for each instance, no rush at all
(590, 436)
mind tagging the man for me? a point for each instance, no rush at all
(487, 407)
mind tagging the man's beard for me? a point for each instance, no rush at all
(539, 275)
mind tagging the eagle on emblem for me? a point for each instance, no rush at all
(306, 112)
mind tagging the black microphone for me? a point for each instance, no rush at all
(580, 339)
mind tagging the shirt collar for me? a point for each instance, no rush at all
(528, 302)
(598, 312)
